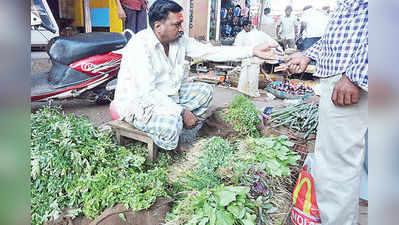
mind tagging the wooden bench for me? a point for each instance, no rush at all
(125, 130)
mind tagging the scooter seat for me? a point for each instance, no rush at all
(66, 50)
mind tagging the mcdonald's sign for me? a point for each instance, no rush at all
(305, 210)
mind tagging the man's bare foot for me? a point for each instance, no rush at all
(183, 148)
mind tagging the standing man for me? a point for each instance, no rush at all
(242, 37)
(287, 29)
(268, 23)
(133, 13)
(342, 65)
(150, 94)
(313, 25)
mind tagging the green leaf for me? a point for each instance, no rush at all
(289, 144)
(122, 216)
(212, 218)
(249, 219)
(267, 205)
(238, 212)
(272, 210)
(224, 218)
(247, 222)
(225, 197)
(240, 190)
(208, 210)
(204, 221)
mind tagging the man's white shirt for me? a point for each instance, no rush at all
(287, 27)
(149, 78)
(252, 38)
(316, 23)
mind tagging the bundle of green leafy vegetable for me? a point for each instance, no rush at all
(215, 153)
(243, 116)
(218, 206)
(264, 165)
(75, 166)
(248, 165)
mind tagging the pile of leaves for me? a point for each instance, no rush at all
(215, 153)
(75, 166)
(272, 155)
(243, 116)
(265, 165)
(252, 166)
(218, 206)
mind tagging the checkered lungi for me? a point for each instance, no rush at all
(165, 129)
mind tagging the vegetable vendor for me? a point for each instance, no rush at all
(150, 94)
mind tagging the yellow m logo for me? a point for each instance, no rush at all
(307, 205)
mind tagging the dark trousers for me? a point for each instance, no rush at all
(135, 20)
(308, 42)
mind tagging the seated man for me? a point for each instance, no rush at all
(250, 36)
(150, 94)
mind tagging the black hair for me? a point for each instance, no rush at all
(307, 7)
(288, 7)
(266, 11)
(246, 22)
(160, 9)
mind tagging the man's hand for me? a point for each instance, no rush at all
(265, 51)
(122, 14)
(345, 92)
(298, 63)
(189, 119)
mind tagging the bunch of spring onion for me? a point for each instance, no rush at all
(301, 117)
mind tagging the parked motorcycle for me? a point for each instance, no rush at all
(82, 65)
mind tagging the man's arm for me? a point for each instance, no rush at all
(313, 51)
(303, 27)
(357, 72)
(347, 90)
(296, 28)
(121, 11)
(196, 49)
(278, 29)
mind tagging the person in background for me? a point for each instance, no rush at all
(287, 29)
(313, 26)
(268, 24)
(150, 94)
(342, 65)
(250, 36)
(133, 13)
(236, 26)
(242, 37)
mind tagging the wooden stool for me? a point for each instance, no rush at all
(124, 129)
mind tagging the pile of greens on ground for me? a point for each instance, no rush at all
(75, 166)
(243, 116)
(233, 185)
(215, 153)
